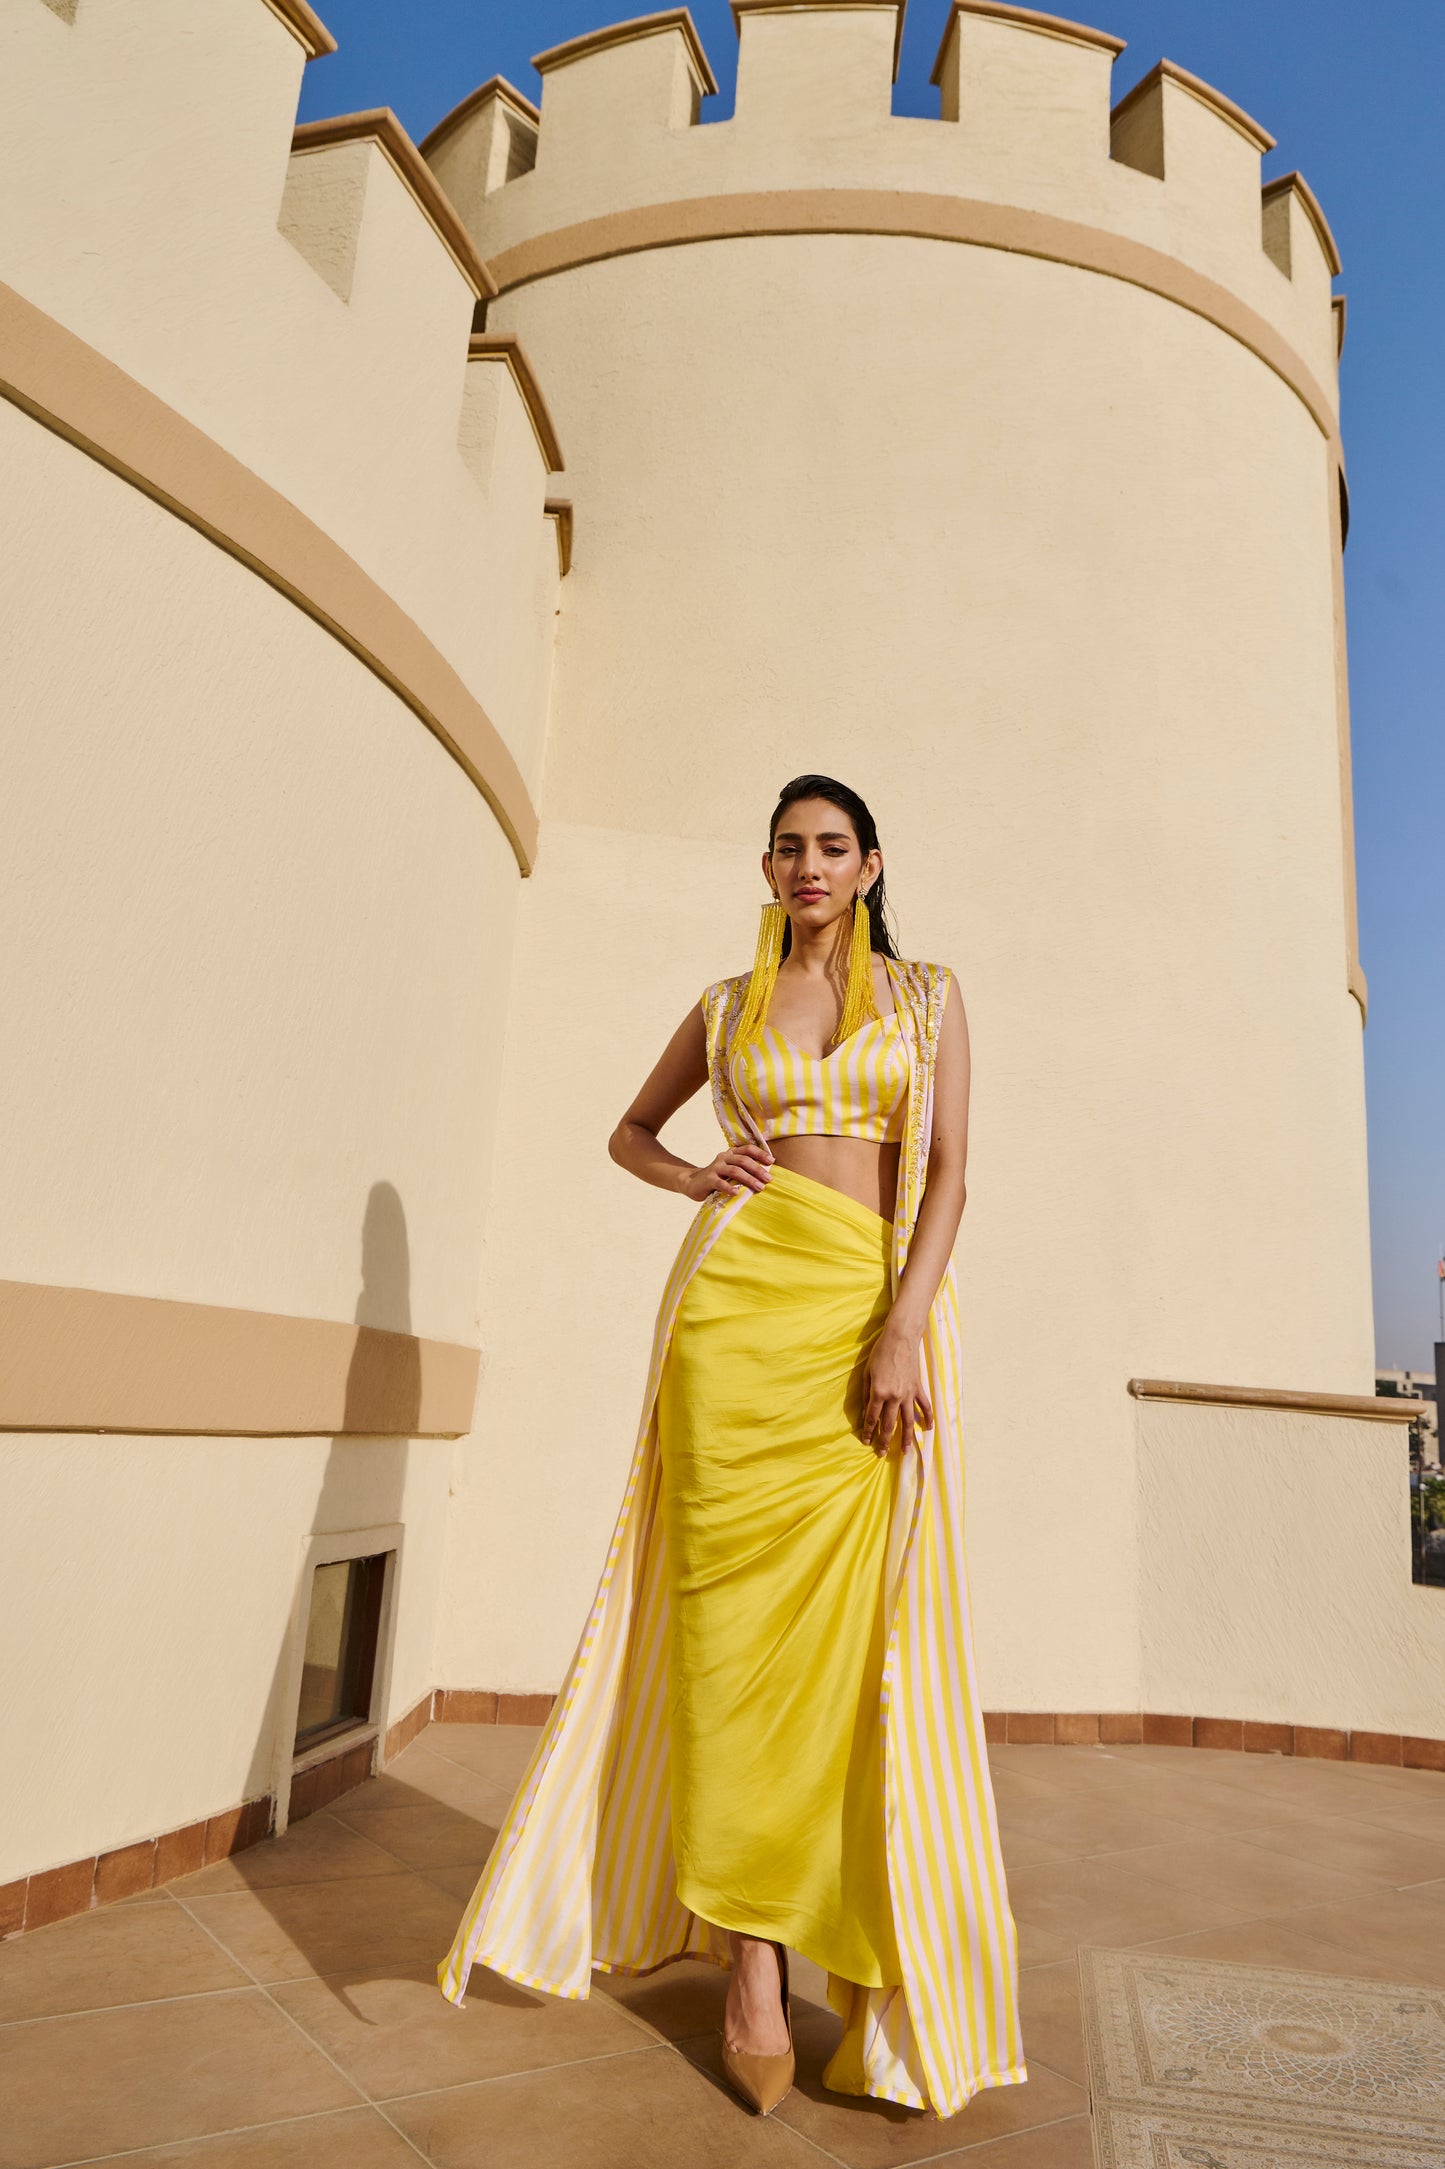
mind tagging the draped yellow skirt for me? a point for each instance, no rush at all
(776, 1517)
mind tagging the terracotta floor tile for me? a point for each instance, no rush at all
(457, 1882)
(1067, 1766)
(1278, 1780)
(124, 1954)
(1090, 1822)
(401, 2036)
(1022, 1851)
(321, 1849)
(1056, 2146)
(1274, 1942)
(93, 2085)
(1012, 1789)
(1258, 1881)
(1423, 1819)
(678, 2001)
(1038, 1947)
(1096, 1901)
(1400, 1930)
(1391, 1777)
(373, 1925)
(344, 2139)
(1331, 1788)
(1204, 1805)
(1372, 1851)
(1136, 1756)
(498, 1752)
(1052, 2020)
(427, 1835)
(420, 1776)
(647, 2110)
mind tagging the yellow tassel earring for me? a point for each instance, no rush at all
(860, 1003)
(766, 959)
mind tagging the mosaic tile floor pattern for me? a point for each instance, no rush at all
(1196, 2064)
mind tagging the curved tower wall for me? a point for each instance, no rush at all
(997, 475)
(262, 518)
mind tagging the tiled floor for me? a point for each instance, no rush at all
(278, 2010)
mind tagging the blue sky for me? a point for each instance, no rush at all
(1354, 94)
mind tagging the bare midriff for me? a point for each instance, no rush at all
(866, 1172)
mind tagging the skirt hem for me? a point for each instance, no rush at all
(1016, 2075)
(791, 1936)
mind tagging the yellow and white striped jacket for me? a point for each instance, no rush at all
(582, 1872)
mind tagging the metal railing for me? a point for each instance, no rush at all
(1427, 1524)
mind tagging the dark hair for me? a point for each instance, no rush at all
(864, 828)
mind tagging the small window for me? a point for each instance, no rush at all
(340, 1662)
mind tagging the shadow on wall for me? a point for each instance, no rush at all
(362, 1486)
(363, 1481)
(381, 1392)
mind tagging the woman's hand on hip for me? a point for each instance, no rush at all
(741, 1167)
(897, 1397)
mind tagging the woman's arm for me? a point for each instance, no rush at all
(635, 1143)
(896, 1393)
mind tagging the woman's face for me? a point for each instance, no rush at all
(816, 865)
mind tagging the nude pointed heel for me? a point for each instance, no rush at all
(763, 2081)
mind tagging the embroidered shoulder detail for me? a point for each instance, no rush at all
(721, 1005)
(923, 989)
(721, 991)
(920, 977)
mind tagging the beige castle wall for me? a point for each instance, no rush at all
(146, 1589)
(1042, 563)
(260, 929)
(1275, 1572)
(617, 935)
(258, 926)
(258, 919)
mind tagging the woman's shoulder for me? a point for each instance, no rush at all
(919, 977)
(723, 990)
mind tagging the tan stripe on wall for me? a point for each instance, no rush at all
(918, 216)
(86, 1359)
(74, 390)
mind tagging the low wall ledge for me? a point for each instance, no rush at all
(1374, 1409)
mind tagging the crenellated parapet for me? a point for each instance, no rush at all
(621, 158)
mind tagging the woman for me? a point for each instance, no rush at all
(770, 1736)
